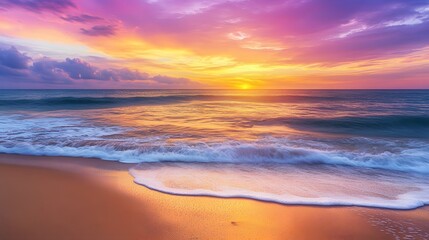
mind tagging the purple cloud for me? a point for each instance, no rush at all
(16, 69)
(8, 74)
(46, 70)
(332, 32)
(78, 69)
(39, 5)
(121, 74)
(82, 18)
(99, 30)
(371, 44)
(12, 58)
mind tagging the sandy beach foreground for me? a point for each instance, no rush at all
(75, 198)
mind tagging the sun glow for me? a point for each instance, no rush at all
(244, 86)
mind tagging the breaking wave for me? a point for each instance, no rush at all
(74, 137)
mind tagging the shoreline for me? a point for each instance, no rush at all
(280, 203)
(168, 216)
(123, 166)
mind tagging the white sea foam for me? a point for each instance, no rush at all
(288, 184)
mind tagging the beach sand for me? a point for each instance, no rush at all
(75, 198)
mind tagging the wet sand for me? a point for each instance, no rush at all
(76, 198)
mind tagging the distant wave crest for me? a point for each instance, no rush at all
(416, 126)
(54, 103)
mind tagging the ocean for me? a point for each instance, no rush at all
(312, 147)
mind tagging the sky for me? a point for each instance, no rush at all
(239, 44)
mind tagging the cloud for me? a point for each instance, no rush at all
(99, 30)
(82, 18)
(122, 74)
(78, 69)
(15, 68)
(300, 26)
(46, 70)
(238, 36)
(39, 5)
(11, 73)
(300, 18)
(12, 58)
(375, 43)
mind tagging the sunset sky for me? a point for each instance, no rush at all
(214, 44)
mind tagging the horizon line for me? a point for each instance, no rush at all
(244, 90)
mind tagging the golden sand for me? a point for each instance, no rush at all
(74, 198)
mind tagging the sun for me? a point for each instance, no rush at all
(244, 86)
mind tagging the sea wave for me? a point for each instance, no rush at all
(58, 136)
(413, 126)
(54, 103)
(261, 152)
